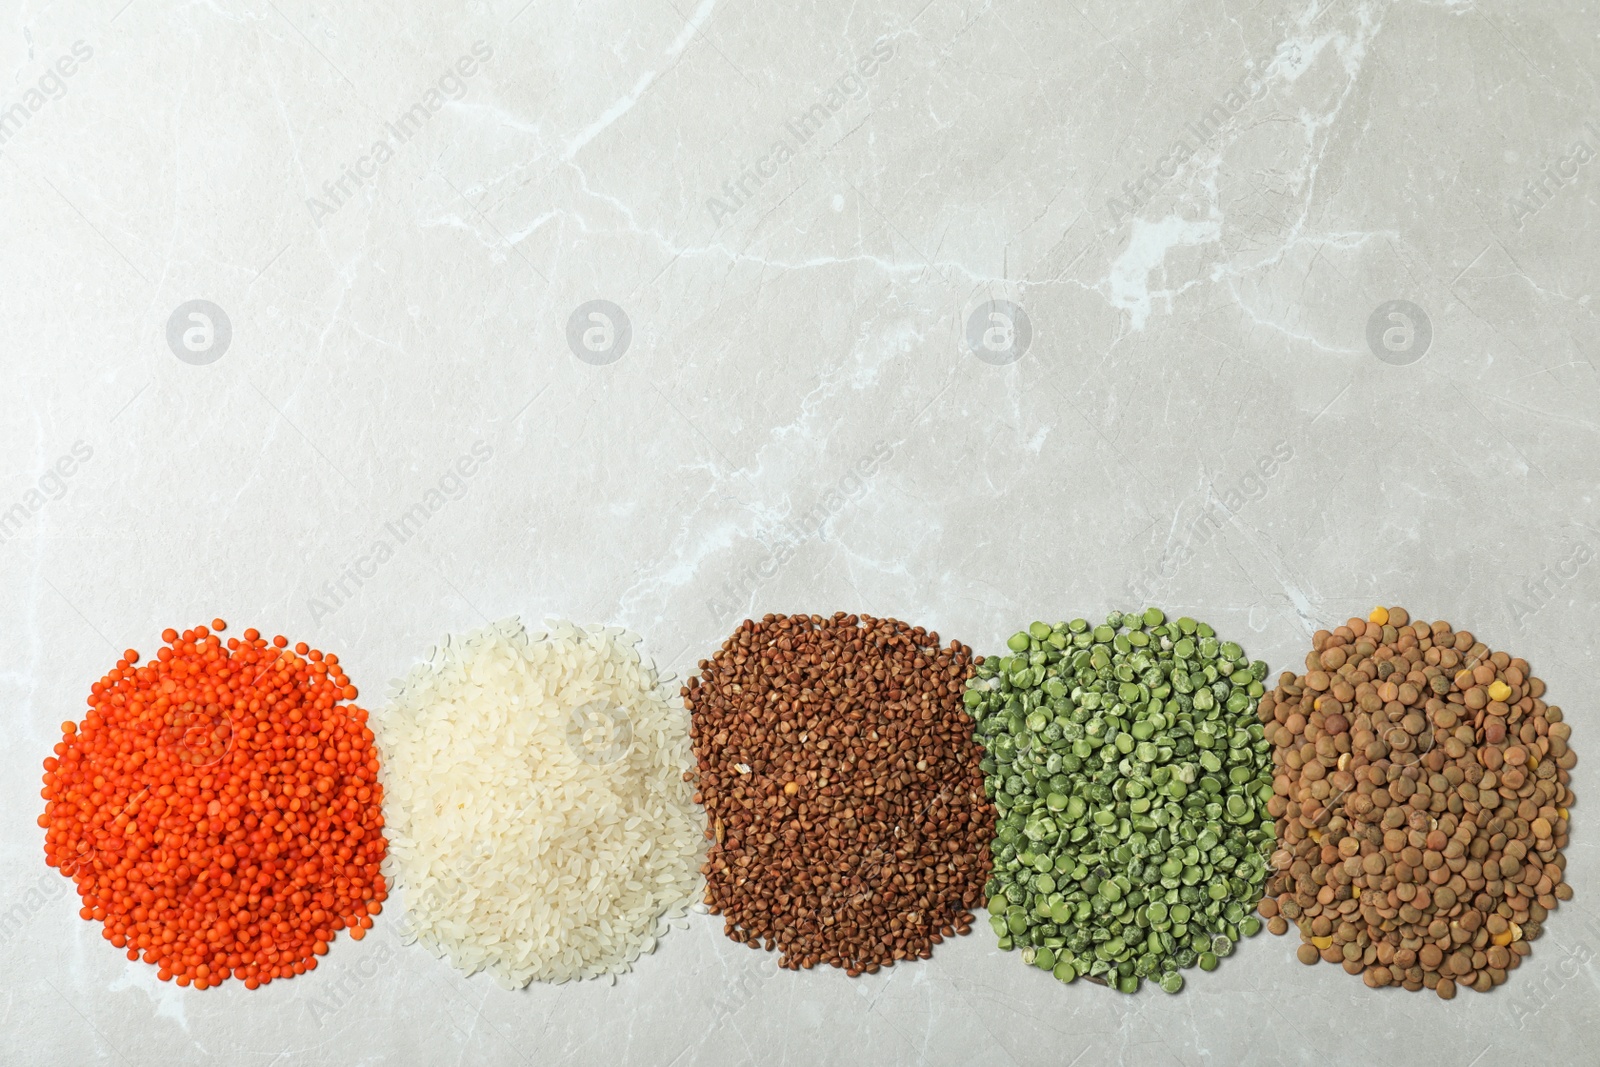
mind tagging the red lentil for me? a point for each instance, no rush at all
(218, 808)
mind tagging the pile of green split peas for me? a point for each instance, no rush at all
(1131, 778)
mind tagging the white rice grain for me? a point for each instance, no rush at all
(538, 820)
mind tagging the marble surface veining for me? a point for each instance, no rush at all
(968, 313)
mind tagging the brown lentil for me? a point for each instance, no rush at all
(842, 785)
(1421, 795)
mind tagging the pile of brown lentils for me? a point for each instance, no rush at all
(1421, 797)
(842, 788)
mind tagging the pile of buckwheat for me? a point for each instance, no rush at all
(842, 787)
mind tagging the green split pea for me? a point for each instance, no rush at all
(1131, 777)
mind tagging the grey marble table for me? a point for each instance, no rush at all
(966, 313)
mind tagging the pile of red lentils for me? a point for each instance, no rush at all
(218, 808)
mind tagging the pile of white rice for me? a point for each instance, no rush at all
(538, 820)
